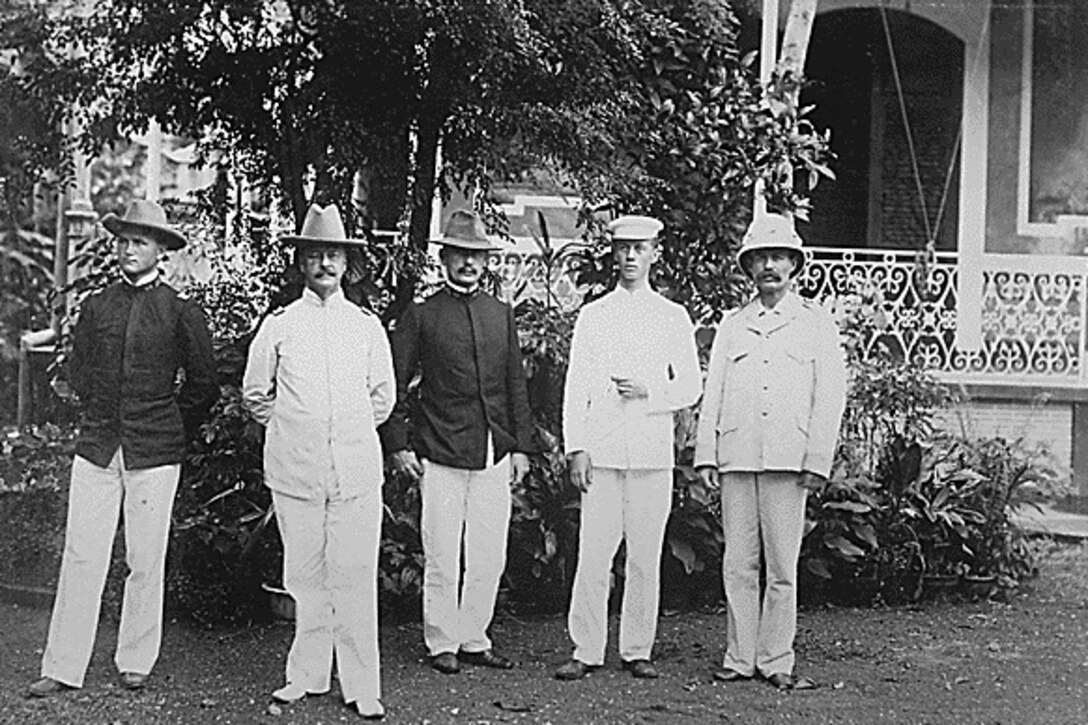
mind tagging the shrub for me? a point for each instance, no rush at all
(34, 473)
(34, 478)
(909, 506)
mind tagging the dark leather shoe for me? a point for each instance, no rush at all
(784, 681)
(573, 670)
(486, 658)
(446, 663)
(47, 686)
(133, 680)
(725, 674)
(642, 669)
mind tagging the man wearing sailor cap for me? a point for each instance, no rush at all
(320, 378)
(633, 362)
(466, 445)
(129, 343)
(775, 393)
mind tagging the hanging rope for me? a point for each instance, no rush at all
(931, 232)
(906, 119)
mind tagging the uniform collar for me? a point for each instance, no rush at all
(622, 294)
(460, 291)
(311, 297)
(760, 318)
(149, 278)
(786, 307)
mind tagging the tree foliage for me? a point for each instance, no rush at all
(645, 104)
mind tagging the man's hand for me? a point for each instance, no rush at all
(709, 476)
(519, 467)
(630, 388)
(405, 463)
(813, 482)
(581, 470)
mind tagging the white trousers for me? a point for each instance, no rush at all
(762, 513)
(629, 505)
(463, 512)
(330, 568)
(95, 498)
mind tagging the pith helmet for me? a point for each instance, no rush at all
(771, 231)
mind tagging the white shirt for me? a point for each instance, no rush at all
(639, 335)
(320, 377)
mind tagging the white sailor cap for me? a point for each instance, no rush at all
(634, 227)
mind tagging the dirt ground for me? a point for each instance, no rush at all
(1020, 661)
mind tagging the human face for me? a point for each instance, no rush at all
(771, 270)
(138, 254)
(323, 266)
(634, 257)
(464, 267)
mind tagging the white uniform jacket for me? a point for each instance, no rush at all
(775, 390)
(638, 335)
(320, 377)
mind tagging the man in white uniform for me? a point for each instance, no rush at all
(320, 377)
(775, 393)
(633, 362)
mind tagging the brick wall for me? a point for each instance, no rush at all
(1050, 424)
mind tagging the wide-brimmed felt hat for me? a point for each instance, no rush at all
(633, 227)
(143, 217)
(771, 231)
(465, 230)
(322, 225)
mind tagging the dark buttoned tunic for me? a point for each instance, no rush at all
(465, 347)
(128, 346)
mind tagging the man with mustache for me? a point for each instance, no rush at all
(465, 443)
(633, 362)
(129, 343)
(774, 398)
(320, 378)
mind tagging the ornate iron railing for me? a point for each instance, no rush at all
(1032, 312)
(1033, 318)
(525, 275)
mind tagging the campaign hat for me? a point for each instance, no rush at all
(147, 218)
(465, 230)
(323, 225)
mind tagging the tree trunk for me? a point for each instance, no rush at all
(426, 174)
(796, 38)
(386, 180)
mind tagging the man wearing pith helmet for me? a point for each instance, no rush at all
(774, 398)
(633, 362)
(320, 378)
(129, 343)
(466, 445)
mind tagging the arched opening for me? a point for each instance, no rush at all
(892, 190)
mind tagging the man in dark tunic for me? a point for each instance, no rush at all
(467, 444)
(129, 343)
